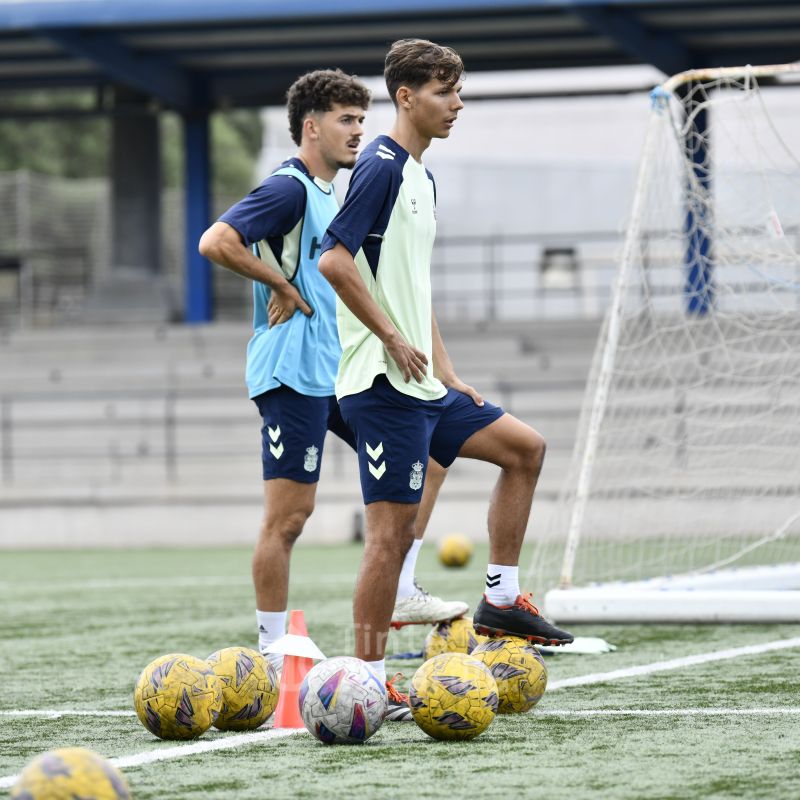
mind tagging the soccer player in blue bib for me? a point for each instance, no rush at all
(293, 356)
(397, 388)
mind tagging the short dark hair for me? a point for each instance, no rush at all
(318, 91)
(414, 62)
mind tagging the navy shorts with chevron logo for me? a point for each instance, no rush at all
(395, 434)
(293, 433)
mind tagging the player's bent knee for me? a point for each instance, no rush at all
(538, 450)
(528, 455)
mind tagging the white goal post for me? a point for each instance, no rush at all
(687, 459)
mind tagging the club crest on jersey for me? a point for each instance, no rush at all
(311, 459)
(415, 481)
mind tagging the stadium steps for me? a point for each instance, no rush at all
(141, 416)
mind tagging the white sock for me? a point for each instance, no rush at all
(502, 584)
(405, 586)
(379, 668)
(271, 626)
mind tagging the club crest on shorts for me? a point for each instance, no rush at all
(415, 481)
(311, 459)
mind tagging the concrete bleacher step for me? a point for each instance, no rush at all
(99, 421)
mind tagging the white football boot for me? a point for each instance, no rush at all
(422, 608)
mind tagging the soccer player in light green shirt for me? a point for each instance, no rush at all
(397, 388)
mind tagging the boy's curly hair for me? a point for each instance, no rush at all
(318, 91)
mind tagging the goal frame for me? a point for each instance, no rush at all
(772, 593)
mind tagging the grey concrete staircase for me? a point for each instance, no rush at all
(140, 434)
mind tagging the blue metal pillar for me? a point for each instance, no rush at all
(198, 294)
(699, 287)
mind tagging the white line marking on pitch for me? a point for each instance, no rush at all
(675, 663)
(667, 712)
(223, 743)
(174, 582)
(592, 712)
(53, 713)
(150, 756)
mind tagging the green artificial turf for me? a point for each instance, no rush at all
(77, 627)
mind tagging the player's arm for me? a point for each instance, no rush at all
(443, 367)
(339, 268)
(223, 244)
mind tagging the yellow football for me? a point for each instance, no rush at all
(518, 668)
(177, 696)
(70, 772)
(455, 550)
(453, 696)
(249, 688)
(456, 636)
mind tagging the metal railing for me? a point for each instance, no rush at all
(524, 275)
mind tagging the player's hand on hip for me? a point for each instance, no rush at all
(465, 388)
(283, 303)
(413, 363)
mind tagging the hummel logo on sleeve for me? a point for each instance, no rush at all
(384, 152)
(492, 580)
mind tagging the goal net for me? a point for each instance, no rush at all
(687, 459)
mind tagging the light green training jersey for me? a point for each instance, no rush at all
(388, 223)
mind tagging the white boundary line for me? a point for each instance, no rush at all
(565, 712)
(53, 713)
(334, 579)
(675, 663)
(667, 712)
(103, 584)
(246, 739)
(223, 743)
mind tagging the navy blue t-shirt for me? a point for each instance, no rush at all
(271, 210)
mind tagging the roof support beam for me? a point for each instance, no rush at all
(153, 75)
(659, 49)
(199, 284)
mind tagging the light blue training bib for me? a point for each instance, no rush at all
(302, 353)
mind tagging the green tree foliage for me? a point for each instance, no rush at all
(71, 147)
(75, 146)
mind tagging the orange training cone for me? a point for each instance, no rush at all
(295, 668)
(297, 623)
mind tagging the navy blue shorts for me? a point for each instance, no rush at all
(293, 433)
(396, 433)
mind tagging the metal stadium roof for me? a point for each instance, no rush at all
(207, 54)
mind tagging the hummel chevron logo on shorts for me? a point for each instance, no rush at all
(376, 470)
(492, 580)
(274, 434)
(276, 451)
